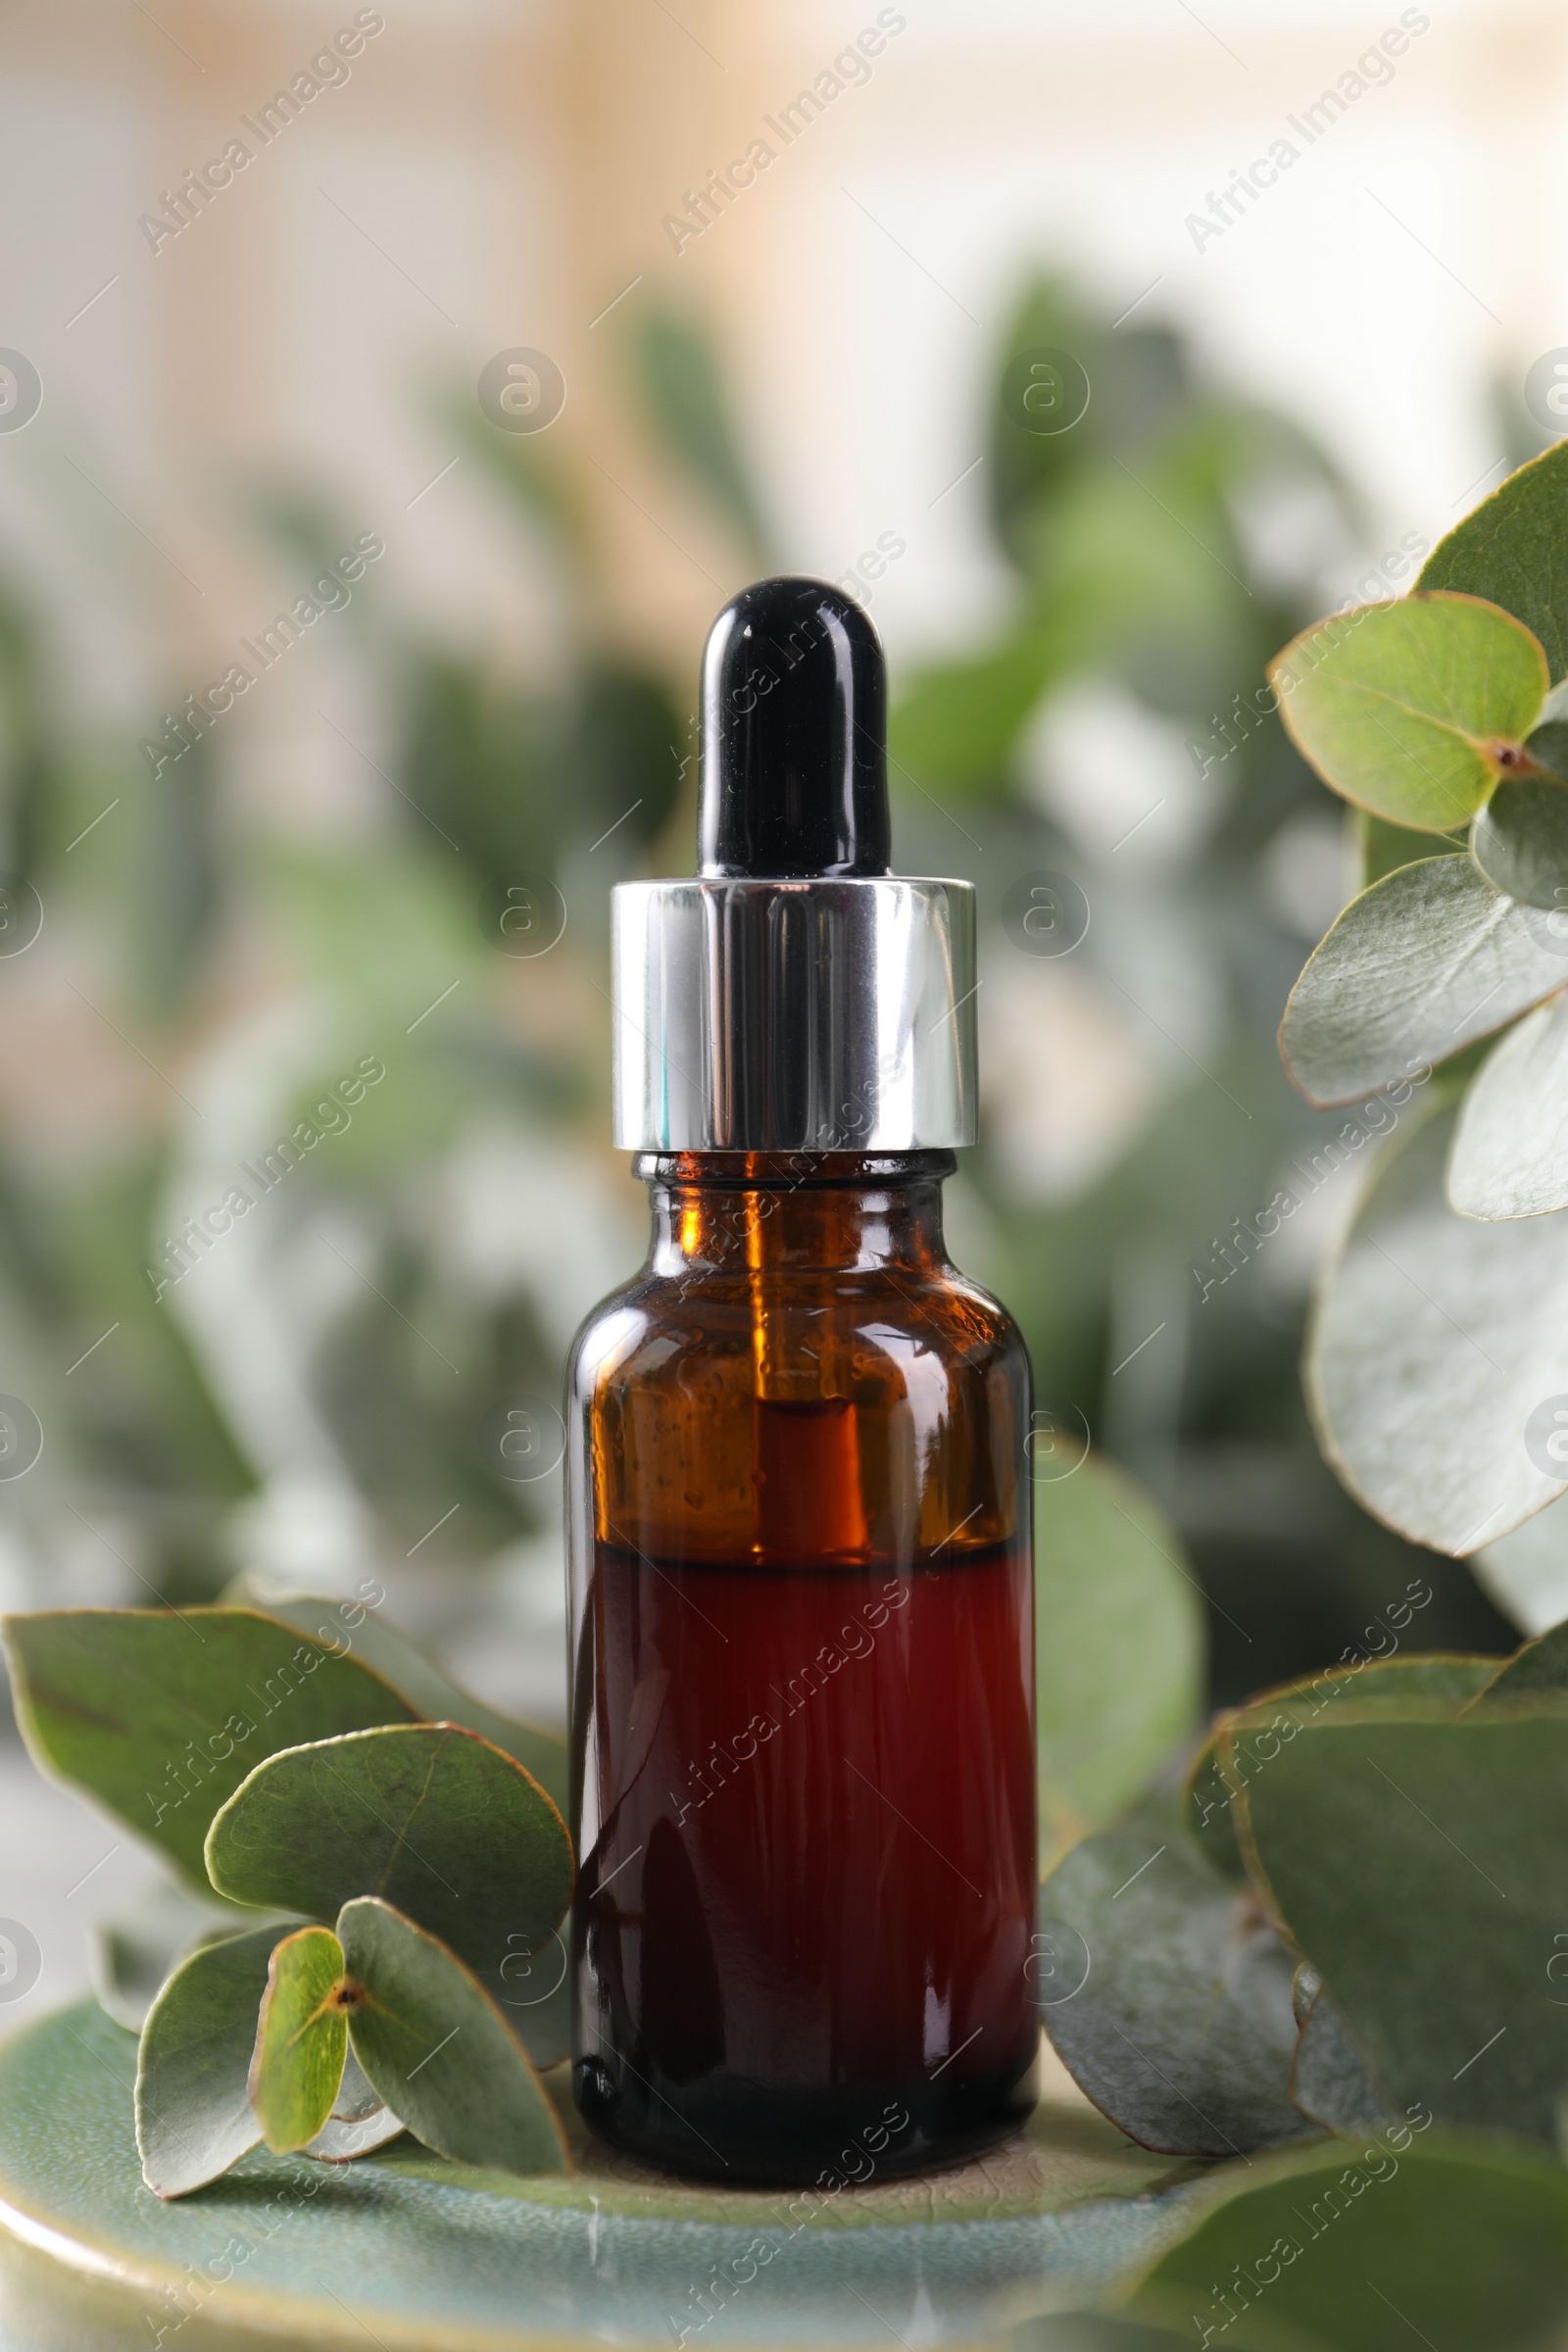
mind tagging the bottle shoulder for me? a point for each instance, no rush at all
(659, 1326)
(612, 1326)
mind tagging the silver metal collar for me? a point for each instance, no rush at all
(819, 1015)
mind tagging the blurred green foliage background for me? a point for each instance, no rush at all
(312, 1397)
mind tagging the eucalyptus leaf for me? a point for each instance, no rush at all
(1525, 1574)
(1403, 708)
(1520, 841)
(1448, 1679)
(446, 1827)
(301, 2041)
(431, 1691)
(1510, 1146)
(1253, 1733)
(1459, 2247)
(1417, 1863)
(1547, 746)
(1509, 550)
(1181, 2030)
(1417, 966)
(1533, 1682)
(160, 1714)
(439, 2052)
(1433, 1342)
(1120, 1680)
(194, 2117)
(1330, 2077)
(1210, 1818)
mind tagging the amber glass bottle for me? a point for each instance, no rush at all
(803, 1728)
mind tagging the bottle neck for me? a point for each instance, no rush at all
(782, 1212)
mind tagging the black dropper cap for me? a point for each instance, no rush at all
(794, 736)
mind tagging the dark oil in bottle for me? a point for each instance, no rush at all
(811, 1898)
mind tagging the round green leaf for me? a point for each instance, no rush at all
(535, 1990)
(1240, 1739)
(1246, 1738)
(1510, 1146)
(438, 2050)
(1418, 1864)
(1533, 1682)
(1121, 1657)
(1433, 1341)
(1181, 2030)
(1460, 2247)
(160, 1713)
(1547, 744)
(1330, 2078)
(1403, 708)
(301, 2039)
(1509, 550)
(1427, 959)
(194, 2117)
(1520, 842)
(446, 1827)
(1209, 1811)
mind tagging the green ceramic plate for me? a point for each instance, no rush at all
(405, 2251)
